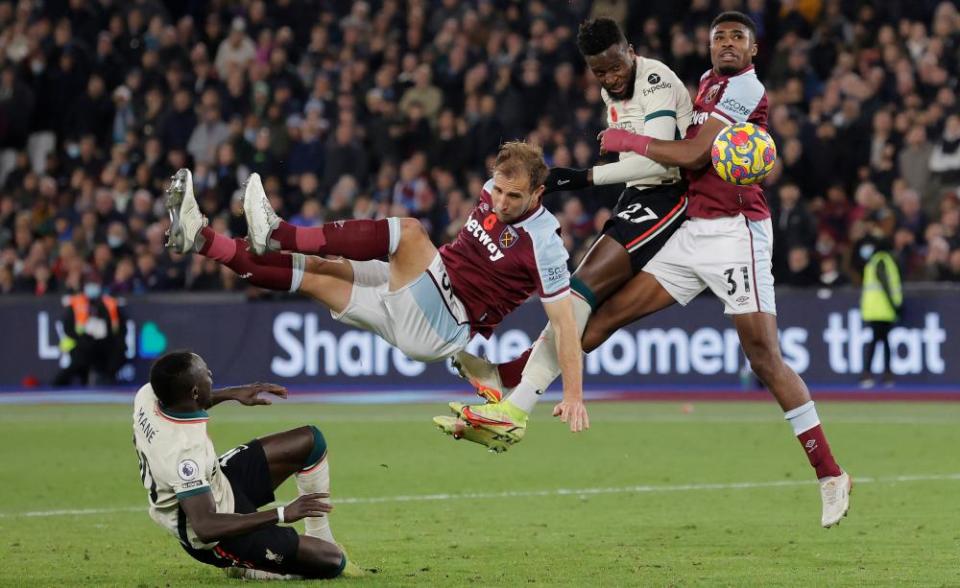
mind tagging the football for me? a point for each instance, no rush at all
(743, 154)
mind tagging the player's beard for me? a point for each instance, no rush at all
(631, 84)
(729, 70)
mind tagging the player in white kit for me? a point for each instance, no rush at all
(210, 504)
(726, 245)
(641, 95)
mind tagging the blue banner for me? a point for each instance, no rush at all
(296, 342)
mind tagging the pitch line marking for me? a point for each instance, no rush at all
(640, 489)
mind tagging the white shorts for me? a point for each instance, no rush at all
(423, 319)
(731, 255)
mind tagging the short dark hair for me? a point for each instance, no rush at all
(736, 16)
(597, 35)
(171, 377)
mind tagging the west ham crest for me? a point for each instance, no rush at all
(508, 237)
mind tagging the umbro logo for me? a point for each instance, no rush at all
(810, 445)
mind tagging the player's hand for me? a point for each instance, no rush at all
(619, 140)
(308, 505)
(249, 394)
(566, 178)
(574, 413)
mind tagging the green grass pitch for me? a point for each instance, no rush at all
(652, 495)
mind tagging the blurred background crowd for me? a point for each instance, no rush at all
(364, 109)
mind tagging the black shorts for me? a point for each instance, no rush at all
(643, 220)
(272, 548)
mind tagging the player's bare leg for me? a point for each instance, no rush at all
(604, 269)
(502, 422)
(302, 453)
(412, 255)
(641, 296)
(758, 338)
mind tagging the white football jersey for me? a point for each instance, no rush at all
(177, 460)
(660, 108)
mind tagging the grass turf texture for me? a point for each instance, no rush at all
(676, 533)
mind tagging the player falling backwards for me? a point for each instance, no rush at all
(426, 302)
(641, 95)
(210, 504)
(726, 246)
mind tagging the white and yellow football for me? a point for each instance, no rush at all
(743, 154)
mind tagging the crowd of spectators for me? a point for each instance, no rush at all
(362, 109)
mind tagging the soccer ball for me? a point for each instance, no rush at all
(743, 154)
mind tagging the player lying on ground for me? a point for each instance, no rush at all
(640, 94)
(425, 301)
(726, 245)
(210, 504)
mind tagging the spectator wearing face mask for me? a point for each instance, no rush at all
(94, 337)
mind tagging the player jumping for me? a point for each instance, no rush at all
(726, 246)
(641, 95)
(211, 504)
(426, 302)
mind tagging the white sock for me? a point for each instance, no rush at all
(393, 225)
(299, 266)
(309, 481)
(254, 574)
(802, 418)
(543, 367)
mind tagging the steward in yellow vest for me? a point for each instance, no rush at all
(880, 304)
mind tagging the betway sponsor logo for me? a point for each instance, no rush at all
(700, 117)
(480, 233)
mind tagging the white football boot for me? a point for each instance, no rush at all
(261, 219)
(481, 374)
(186, 220)
(835, 493)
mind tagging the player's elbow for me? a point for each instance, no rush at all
(204, 533)
(205, 529)
(696, 159)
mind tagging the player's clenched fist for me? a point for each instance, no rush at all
(308, 505)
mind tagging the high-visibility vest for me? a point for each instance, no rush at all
(81, 312)
(875, 305)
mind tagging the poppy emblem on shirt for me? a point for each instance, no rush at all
(508, 237)
(613, 114)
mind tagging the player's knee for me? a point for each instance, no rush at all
(411, 228)
(764, 361)
(593, 336)
(320, 559)
(315, 445)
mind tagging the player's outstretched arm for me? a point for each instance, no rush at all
(210, 525)
(634, 169)
(627, 170)
(248, 394)
(568, 179)
(688, 153)
(571, 409)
